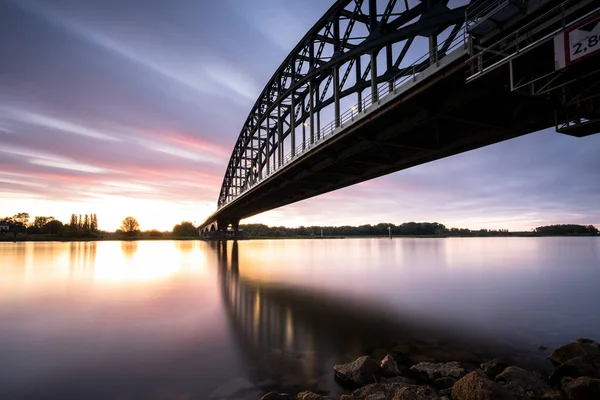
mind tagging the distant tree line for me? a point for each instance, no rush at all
(405, 229)
(381, 229)
(566, 230)
(78, 226)
(87, 223)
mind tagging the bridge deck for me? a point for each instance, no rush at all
(438, 115)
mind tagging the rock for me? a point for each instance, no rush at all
(579, 348)
(392, 391)
(493, 367)
(435, 371)
(523, 384)
(400, 379)
(583, 388)
(576, 367)
(389, 368)
(422, 358)
(277, 396)
(231, 387)
(312, 396)
(417, 393)
(553, 395)
(477, 386)
(542, 347)
(360, 372)
(446, 392)
(444, 382)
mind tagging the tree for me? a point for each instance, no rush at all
(73, 222)
(186, 228)
(130, 226)
(39, 221)
(94, 223)
(21, 218)
(53, 226)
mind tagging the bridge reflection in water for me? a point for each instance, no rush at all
(291, 336)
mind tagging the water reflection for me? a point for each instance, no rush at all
(82, 258)
(186, 317)
(294, 335)
(129, 248)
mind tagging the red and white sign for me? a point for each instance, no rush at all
(578, 42)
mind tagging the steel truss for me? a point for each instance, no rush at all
(356, 46)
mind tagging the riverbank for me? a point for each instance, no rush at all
(117, 237)
(575, 376)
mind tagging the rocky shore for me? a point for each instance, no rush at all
(576, 376)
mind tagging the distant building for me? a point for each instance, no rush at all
(4, 226)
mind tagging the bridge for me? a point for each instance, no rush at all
(378, 86)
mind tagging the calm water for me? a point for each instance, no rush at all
(194, 320)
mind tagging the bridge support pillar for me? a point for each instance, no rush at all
(222, 225)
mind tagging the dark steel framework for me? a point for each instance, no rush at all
(356, 47)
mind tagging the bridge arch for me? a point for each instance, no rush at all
(357, 46)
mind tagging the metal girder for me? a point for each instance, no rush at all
(317, 74)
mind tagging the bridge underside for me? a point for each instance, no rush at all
(440, 117)
(444, 118)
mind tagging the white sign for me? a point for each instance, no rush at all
(583, 42)
(578, 42)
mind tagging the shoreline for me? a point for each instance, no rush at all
(56, 238)
(575, 376)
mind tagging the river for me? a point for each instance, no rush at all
(189, 320)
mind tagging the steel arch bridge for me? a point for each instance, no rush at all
(357, 53)
(336, 60)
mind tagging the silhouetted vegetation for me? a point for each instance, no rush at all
(567, 230)
(130, 226)
(85, 226)
(381, 229)
(185, 228)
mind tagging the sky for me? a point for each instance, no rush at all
(133, 107)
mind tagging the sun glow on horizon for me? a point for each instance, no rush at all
(111, 210)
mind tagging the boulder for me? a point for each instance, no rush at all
(583, 388)
(522, 384)
(477, 386)
(312, 396)
(389, 368)
(400, 379)
(576, 367)
(553, 395)
(360, 372)
(439, 370)
(277, 396)
(417, 393)
(493, 367)
(579, 348)
(444, 382)
(392, 391)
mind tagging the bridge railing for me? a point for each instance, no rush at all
(407, 78)
(536, 31)
(479, 10)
